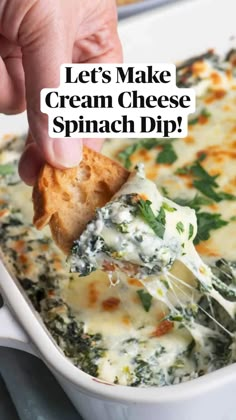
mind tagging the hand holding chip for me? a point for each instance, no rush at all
(36, 37)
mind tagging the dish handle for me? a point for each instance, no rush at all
(12, 334)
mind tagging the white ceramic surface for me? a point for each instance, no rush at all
(170, 34)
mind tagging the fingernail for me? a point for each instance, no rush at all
(67, 152)
(95, 144)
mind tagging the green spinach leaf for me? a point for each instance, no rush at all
(145, 298)
(157, 223)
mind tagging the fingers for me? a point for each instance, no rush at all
(45, 42)
(12, 98)
(45, 46)
(32, 160)
(102, 47)
(30, 164)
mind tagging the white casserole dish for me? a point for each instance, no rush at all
(170, 34)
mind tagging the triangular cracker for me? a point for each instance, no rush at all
(67, 199)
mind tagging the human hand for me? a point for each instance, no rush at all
(36, 37)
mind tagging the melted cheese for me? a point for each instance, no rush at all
(217, 138)
(119, 235)
(153, 254)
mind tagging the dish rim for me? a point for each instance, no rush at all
(53, 356)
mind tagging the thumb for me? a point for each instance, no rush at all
(44, 49)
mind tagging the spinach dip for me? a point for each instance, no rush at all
(122, 328)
